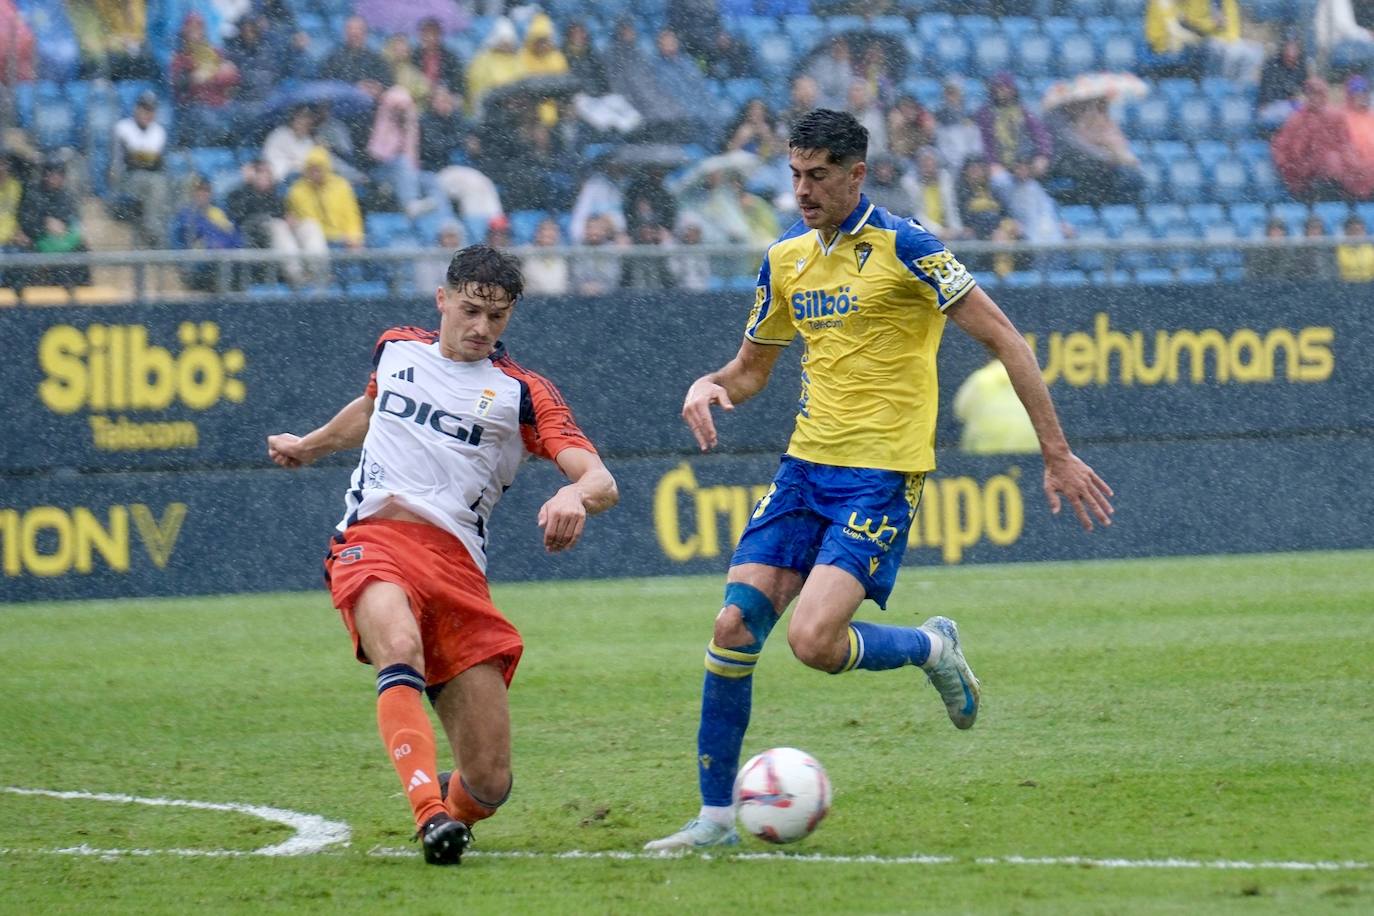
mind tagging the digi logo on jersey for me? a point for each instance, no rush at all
(817, 305)
(422, 413)
(107, 369)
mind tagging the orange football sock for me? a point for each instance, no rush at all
(409, 738)
(464, 807)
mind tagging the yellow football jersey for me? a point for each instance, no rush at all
(870, 308)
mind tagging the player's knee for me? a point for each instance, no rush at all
(488, 780)
(400, 647)
(746, 619)
(816, 647)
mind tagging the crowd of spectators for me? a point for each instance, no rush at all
(539, 120)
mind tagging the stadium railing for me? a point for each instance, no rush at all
(155, 276)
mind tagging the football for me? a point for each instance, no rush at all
(781, 795)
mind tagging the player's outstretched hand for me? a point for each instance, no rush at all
(563, 518)
(285, 449)
(696, 410)
(1087, 493)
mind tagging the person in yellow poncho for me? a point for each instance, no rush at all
(114, 38)
(1203, 34)
(994, 421)
(541, 57)
(498, 63)
(324, 197)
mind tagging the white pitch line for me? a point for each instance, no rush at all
(1082, 861)
(312, 833)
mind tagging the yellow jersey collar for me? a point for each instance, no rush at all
(852, 224)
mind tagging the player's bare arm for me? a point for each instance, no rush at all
(1066, 475)
(735, 382)
(591, 489)
(345, 430)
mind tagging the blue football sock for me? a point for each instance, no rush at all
(876, 647)
(727, 695)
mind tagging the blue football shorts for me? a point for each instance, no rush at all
(819, 514)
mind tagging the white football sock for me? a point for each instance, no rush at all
(937, 648)
(724, 815)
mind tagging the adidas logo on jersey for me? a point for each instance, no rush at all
(419, 779)
(407, 374)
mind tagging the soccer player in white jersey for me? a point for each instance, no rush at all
(869, 293)
(445, 422)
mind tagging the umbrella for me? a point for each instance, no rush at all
(389, 17)
(531, 89)
(346, 100)
(894, 52)
(738, 162)
(1089, 86)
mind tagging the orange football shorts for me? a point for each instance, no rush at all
(459, 626)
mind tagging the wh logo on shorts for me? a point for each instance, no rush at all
(407, 374)
(351, 554)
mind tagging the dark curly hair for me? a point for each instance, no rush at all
(486, 267)
(837, 132)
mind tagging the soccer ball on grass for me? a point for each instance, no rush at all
(781, 795)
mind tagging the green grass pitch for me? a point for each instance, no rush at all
(1206, 709)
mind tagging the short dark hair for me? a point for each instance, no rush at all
(486, 267)
(837, 132)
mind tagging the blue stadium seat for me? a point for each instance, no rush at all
(1271, 10)
(1154, 276)
(886, 25)
(844, 23)
(805, 31)
(1152, 170)
(1333, 214)
(1099, 28)
(54, 124)
(1116, 217)
(1248, 219)
(1264, 181)
(775, 53)
(1091, 260)
(931, 27)
(1197, 275)
(950, 54)
(1119, 53)
(991, 54)
(1226, 257)
(1034, 54)
(1235, 117)
(1151, 119)
(1018, 27)
(1210, 152)
(1366, 212)
(739, 91)
(1160, 216)
(1075, 54)
(1084, 7)
(1067, 277)
(1184, 178)
(1228, 181)
(1194, 117)
(1292, 213)
(1058, 27)
(1130, 10)
(1078, 215)
(1204, 215)
(1176, 89)
(1136, 259)
(381, 227)
(367, 288)
(1183, 257)
(523, 224)
(1022, 279)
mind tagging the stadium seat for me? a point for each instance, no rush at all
(54, 124)
(950, 54)
(739, 91)
(1083, 7)
(805, 31)
(1193, 117)
(1136, 259)
(523, 224)
(1067, 277)
(1059, 27)
(1075, 54)
(1091, 259)
(991, 54)
(775, 53)
(886, 25)
(1078, 215)
(1183, 178)
(1264, 181)
(1225, 257)
(1160, 216)
(1154, 276)
(1153, 172)
(1116, 217)
(1033, 55)
(1203, 215)
(1210, 152)
(1235, 117)
(1151, 119)
(931, 27)
(1176, 89)
(206, 160)
(1248, 219)
(1130, 10)
(1228, 181)
(1292, 213)
(1018, 27)
(1118, 53)
(380, 227)
(368, 288)
(1022, 279)
(1333, 214)
(1365, 211)
(925, 90)
(1197, 275)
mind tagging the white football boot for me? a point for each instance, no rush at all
(952, 676)
(699, 833)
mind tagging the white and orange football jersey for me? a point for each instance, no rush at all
(447, 437)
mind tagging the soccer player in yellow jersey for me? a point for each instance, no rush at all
(869, 293)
